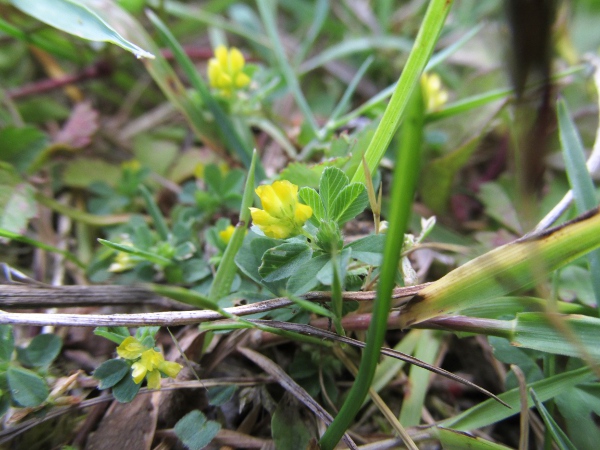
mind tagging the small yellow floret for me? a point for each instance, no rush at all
(434, 95)
(226, 234)
(282, 216)
(148, 363)
(225, 70)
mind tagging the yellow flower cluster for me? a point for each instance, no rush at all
(148, 362)
(434, 95)
(225, 70)
(282, 216)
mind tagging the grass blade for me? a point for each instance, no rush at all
(579, 179)
(558, 435)
(417, 60)
(505, 269)
(490, 411)
(223, 280)
(403, 188)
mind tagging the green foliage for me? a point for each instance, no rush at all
(26, 387)
(20, 386)
(195, 431)
(111, 372)
(289, 430)
(175, 218)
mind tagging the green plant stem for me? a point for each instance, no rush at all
(337, 300)
(405, 176)
(223, 280)
(417, 60)
(27, 240)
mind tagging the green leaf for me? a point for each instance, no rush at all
(456, 440)
(111, 372)
(282, 261)
(126, 389)
(248, 258)
(558, 435)
(195, 431)
(219, 395)
(580, 179)
(368, 249)
(505, 269)
(305, 280)
(310, 197)
(332, 182)
(157, 217)
(7, 343)
(152, 257)
(21, 146)
(43, 349)
(350, 202)
(288, 426)
(579, 406)
(325, 275)
(17, 203)
(509, 354)
(536, 331)
(490, 411)
(27, 388)
(74, 18)
(195, 270)
(114, 334)
(417, 60)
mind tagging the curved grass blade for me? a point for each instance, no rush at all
(74, 18)
(417, 60)
(579, 179)
(223, 280)
(490, 411)
(27, 240)
(559, 436)
(351, 46)
(505, 269)
(456, 440)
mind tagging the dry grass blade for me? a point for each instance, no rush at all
(524, 432)
(312, 331)
(291, 386)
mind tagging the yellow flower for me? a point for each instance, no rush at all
(226, 234)
(225, 70)
(282, 216)
(433, 93)
(130, 348)
(148, 362)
